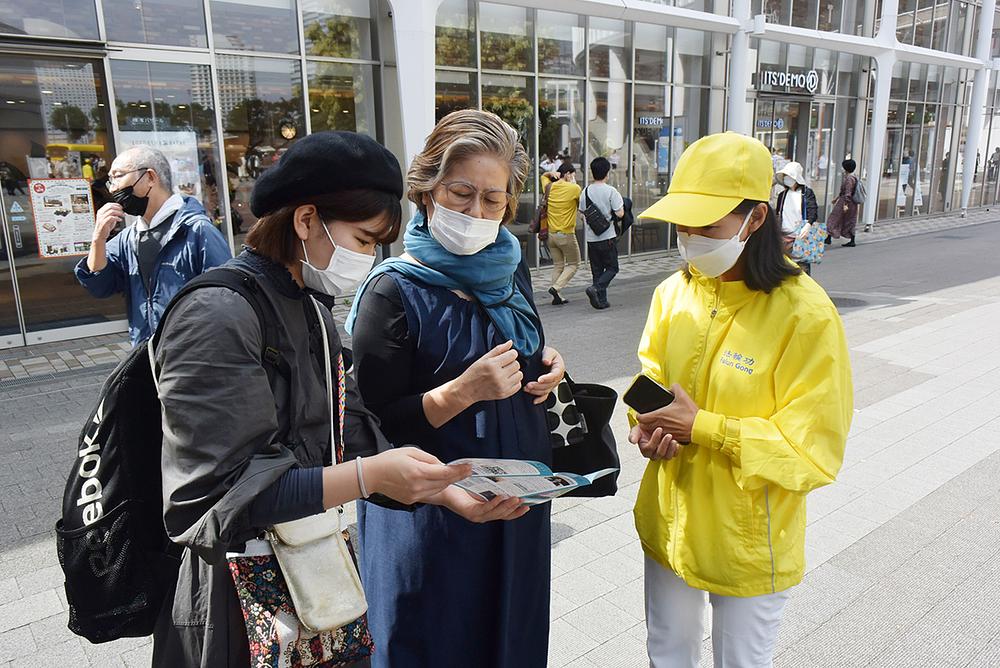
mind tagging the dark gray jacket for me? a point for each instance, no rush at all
(229, 432)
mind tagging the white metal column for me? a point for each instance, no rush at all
(414, 33)
(740, 61)
(884, 63)
(984, 36)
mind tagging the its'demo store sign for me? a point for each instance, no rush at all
(793, 82)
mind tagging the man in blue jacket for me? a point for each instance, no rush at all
(173, 241)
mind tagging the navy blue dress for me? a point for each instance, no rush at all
(443, 591)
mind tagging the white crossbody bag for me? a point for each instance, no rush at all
(322, 579)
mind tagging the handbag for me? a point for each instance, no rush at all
(810, 248)
(300, 591)
(596, 221)
(594, 447)
(540, 223)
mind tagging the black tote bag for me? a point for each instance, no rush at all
(597, 449)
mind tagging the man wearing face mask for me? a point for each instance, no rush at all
(172, 241)
(755, 355)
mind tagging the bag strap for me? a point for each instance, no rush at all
(545, 197)
(336, 444)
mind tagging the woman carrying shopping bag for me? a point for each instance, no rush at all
(755, 354)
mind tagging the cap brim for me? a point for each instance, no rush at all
(691, 209)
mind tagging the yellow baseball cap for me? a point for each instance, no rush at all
(714, 175)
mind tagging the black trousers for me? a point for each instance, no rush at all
(603, 263)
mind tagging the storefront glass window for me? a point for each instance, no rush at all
(918, 82)
(150, 22)
(341, 97)
(512, 99)
(653, 46)
(561, 120)
(505, 38)
(943, 166)
(961, 28)
(888, 191)
(830, 16)
(255, 25)
(261, 108)
(939, 27)
(170, 107)
(57, 127)
(900, 81)
(610, 49)
(73, 19)
(652, 135)
(455, 42)
(337, 28)
(991, 192)
(905, 18)
(607, 134)
(561, 43)
(454, 91)
(804, 13)
(777, 11)
(693, 51)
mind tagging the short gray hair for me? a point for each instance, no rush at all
(147, 156)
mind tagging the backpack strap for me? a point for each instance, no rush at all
(245, 284)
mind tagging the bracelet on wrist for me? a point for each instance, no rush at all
(361, 479)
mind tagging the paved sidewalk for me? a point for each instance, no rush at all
(52, 358)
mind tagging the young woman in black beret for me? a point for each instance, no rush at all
(245, 448)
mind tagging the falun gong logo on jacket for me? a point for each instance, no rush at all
(738, 361)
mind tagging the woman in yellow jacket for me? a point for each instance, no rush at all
(755, 354)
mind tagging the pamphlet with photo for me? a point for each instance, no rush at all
(532, 482)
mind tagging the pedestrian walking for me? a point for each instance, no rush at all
(844, 211)
(602, 247)
(245, 447)
(796, 207)
(450, 355)
(756, 357)
(563, 200)
(171, 242)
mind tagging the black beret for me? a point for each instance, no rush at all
(324, 163)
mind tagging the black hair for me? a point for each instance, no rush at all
(566, 168)
(599, 168)
(765, 265)
(849, 166)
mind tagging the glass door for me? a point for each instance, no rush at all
(55, 148)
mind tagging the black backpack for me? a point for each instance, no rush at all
(118, 562)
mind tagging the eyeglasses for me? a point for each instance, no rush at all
(460, 195)
(115, 179)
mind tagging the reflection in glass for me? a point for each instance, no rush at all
(56, 128)
(505, 38)
(75, 19)
(337, 28)
(651, 144)
(454, 91)
(830, 15)
(512, 99)
(149, 22)
(652, 52)
(455, 40)
(170, 106)
(561, 40)
(819, 162)
(340, 97)
(889, 186)
(609, 114)
(255, 25)
(261, 108)
(561, 120)
(609, 49)
(693, 49)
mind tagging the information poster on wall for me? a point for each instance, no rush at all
(64, 216)
(181, 149)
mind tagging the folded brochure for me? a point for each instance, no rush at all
(532, 482)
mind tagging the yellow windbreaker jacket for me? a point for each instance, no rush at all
(772, 377)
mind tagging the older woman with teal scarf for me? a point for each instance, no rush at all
(451, 356)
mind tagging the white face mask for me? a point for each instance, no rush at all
(345, 271)
(460, 233)
(712, 257)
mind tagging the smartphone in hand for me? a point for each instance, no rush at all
(645, 395)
